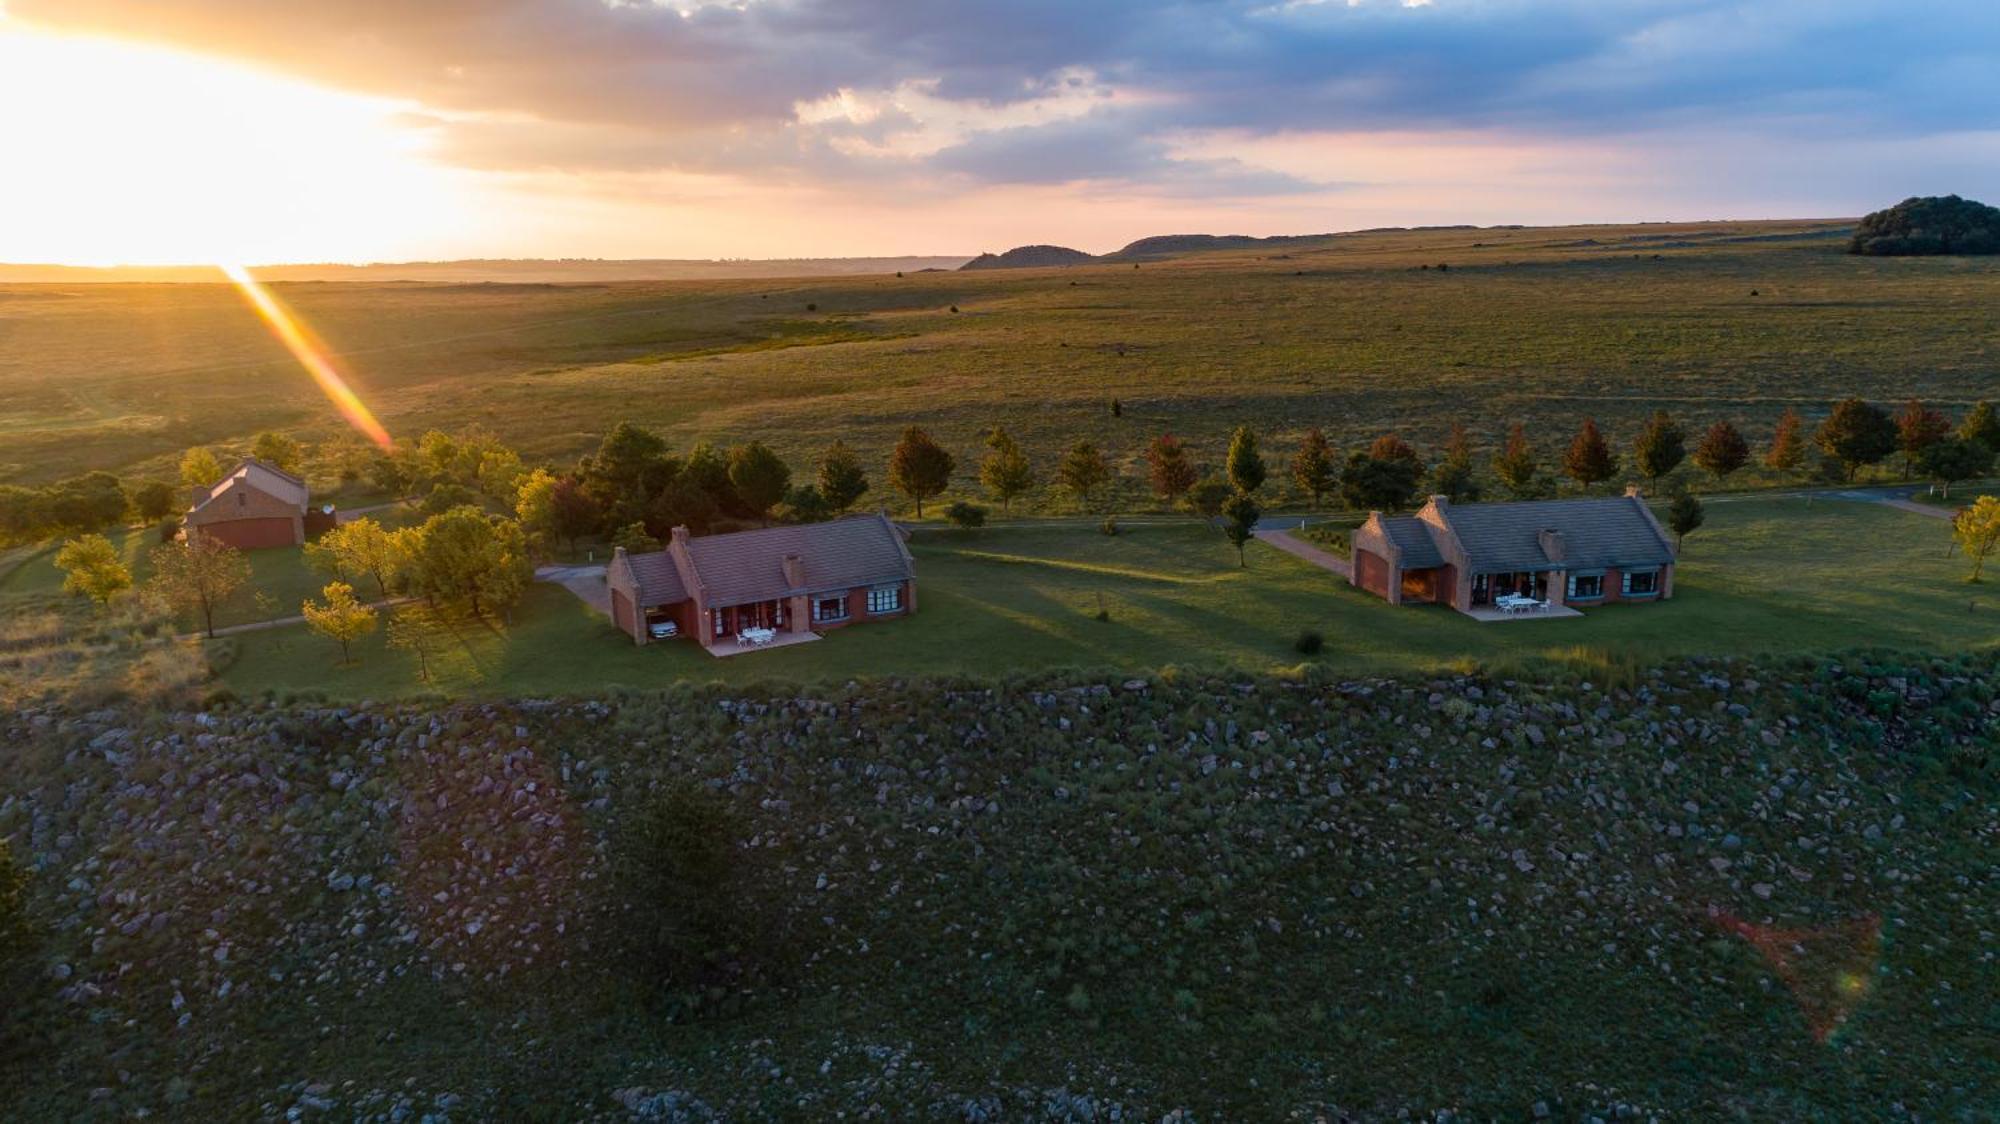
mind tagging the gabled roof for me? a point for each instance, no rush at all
(1596, 534)
(1413, 537)
(858, 550)
(658, 579)
(264, 477)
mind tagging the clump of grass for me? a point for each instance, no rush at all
(1309, 642)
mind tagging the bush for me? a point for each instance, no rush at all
(1109, 526)
(967, 515)
(1309, 642)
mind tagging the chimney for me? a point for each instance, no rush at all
(1551, 543)
(795, 571)
(1633, 491)
(681, 535)
(617, 553)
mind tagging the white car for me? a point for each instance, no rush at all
(663, 630)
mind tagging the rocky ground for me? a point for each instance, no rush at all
(1716, 889)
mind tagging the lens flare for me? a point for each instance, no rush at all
(310, 352)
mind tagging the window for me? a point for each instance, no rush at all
(830, 608)
(1586, 587)
(885, 599)
(1642, 583)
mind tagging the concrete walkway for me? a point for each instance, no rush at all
(1299, 548)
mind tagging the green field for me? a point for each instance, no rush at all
(1778, 575)
(1540, 325)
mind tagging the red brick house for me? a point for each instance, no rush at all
(795, 580)
(255, 505)
(1572, 553)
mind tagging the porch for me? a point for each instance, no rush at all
(727, 646)
(1546, 613)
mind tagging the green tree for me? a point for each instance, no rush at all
(90, 502)
(197, 575)
(806, 505)
(340, 618)
(1314, 470)
(1245, 463)
(466, 557)
(636, 539)
(965, 515)
(1454, 477)
(281, 451)
(1660, 447)
(759, 478)
(92, 568)
(535, 508)
(199, 468)
(1856, 433)
(1168, 468)
(1977, 530)
(1918, 428)
(1208, 496)
(1516, 466)
(1379, 483)
(842, 482)
(1005, 472)
(1683, 516)
(621, 474)
(1589, 460)
(154, 500)
(1083, 470)
(1982, 424)
(1954, 459)
(1240, 515)
(1788, 443)
(417, 630)
(919, 467)
(360, 546)
(1722, 451)
(682, 503)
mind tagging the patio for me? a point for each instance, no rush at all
(727, 646)
(1494, 613)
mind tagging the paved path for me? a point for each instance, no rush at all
(587, 582)
(1300, 548)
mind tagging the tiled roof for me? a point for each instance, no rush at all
(1420, 551)
(848, 553)
(1596, 534)
(659, 579)
(263, 476)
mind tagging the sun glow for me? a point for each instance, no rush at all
(311, 353)
(123, 153)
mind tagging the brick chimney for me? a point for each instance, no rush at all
(795, 572)
(680, 535)
(1552, 544)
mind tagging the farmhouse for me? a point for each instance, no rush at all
(778, 583)
(1474, 557)
(255, 505)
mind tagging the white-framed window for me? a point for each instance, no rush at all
(1586, 587)
(1641, 583)
(885, 599)
(830, 608)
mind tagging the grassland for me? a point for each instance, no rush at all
(1764, 576)
(1545, 326)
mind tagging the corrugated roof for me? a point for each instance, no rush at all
(1597, 534)
(263, 476)
(858, 550)
(1420, 551)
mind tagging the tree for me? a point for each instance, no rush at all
(1954, 459)
(1589, 460)
(1005, 472)
(759, 478)
(707, 468)
(418, 631)
(154, 500)
(199, 468)
(1977, 531)
(919, 467)
(1245, 464)
(805, 504)
(197, 576)
(1683, 516)
(1168, 468)
(92, 568)
(340, 618)
(965, 515)
(1208, 496)
(280, 451)
(466, 557)
(90, 502)
(1856, 433)
(682, 503)
(842, 482)
(394, 471)
(1453, 478)
(1240, 515)
(1982, 424)
(1788, 443)
(1083, 470)
(1516, 465)
(1918, 428)
(635, 539)
(618, 474)
(361, 546)
(1372, 483)
(1314, 470)
(348, 456)
(1660, 447)
(1722, 451)
(1930, 224)
(534, 506)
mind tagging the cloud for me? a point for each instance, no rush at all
(1055, 91)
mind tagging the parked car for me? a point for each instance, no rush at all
(663, 630)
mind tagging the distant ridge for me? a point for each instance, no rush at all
(492, 270)
(1030, 257)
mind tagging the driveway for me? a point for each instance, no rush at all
(1300, 548)
(587, 582)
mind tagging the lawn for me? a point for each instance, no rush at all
(1764, 576)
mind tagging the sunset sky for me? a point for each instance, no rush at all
(171, 131)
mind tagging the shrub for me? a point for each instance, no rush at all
(1309, 642)
(1109, 526)
(966, 515)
